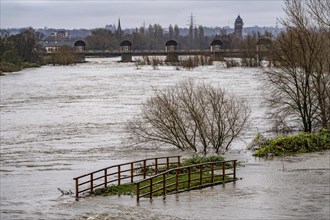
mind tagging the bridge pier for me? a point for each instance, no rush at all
(217, 56)
(126, 57)
(80, 48)
(126, 49)
(172, 57)
(80, 58)
(263, 50)
(215, 49)
(171, 47)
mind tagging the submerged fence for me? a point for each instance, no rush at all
(123, 173)
(186, 178)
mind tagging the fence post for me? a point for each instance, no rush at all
(176, 180)
(164, 184)
(150, 188)
(105, 177)
(212, 173)
(132, 172)
(119, 176)
(167, 162)
(138, 192)
(223, 171)
(144, 169)
(200, 175)
(234, 172)
(77, 190)
(179, 161)
(91, 182)
(156, 165)
(189, 177)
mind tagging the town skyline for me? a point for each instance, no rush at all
(88, 14)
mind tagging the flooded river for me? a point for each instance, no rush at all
(60, 122)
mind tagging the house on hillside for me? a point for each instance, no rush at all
(52, 47)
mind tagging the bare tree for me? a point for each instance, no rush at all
(65, 55)
(320, 11)
(298, 91)
(190, 116)
(248, 45)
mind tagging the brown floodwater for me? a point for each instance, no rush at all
(61, 122)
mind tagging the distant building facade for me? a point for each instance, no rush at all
(238, 31)
(60, 36)
(111, 27)
(53, 47)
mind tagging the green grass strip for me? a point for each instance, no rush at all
(130, 189)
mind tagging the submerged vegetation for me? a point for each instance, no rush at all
(10, 67)
(190, 116)
(300, 143)
(24, 50)
(19, 51)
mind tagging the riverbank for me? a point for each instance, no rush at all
(6, 67)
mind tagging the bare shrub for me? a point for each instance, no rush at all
(146, 60)
(138, 62)
(155, 62)
(231, 63)
(249, 62)
(190, 116)
(189, 63)
(65, 55)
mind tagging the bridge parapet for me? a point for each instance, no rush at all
(126, 49)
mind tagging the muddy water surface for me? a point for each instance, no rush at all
(61, 122)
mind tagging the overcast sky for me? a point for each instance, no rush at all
(75, 14)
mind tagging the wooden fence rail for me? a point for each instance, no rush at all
(205, 174)
(122, 173)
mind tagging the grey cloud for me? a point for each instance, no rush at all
(89, 14)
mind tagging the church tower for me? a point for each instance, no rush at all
(119, 32)
(119, 26)
(238, 27)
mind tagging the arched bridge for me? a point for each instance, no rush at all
(116, 53)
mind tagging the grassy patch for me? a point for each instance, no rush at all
(300, 143)
(130, 188)
(124, 189)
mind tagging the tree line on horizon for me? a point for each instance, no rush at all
(154, 38)
(25, 48)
